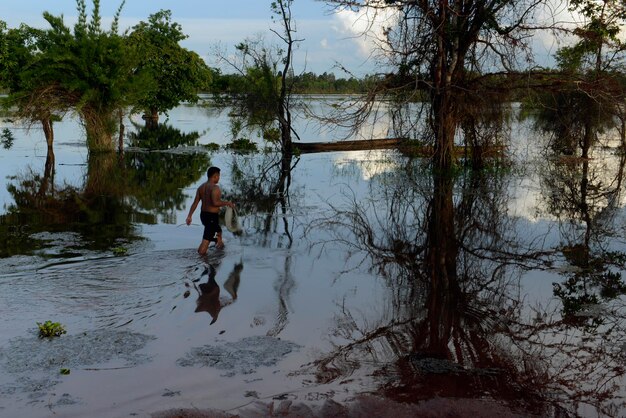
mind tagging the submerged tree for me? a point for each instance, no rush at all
(587, 93)
(264, 94)
(439, 51)
(94, 68)
(88, 69)
(30, 97)
(177, 73)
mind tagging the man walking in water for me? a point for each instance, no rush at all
(211, 196)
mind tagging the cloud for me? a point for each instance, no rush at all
(364, 28)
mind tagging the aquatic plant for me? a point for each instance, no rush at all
(212, 146)
(6, 138)
(50, 329)
(120, 251)
(242, 145)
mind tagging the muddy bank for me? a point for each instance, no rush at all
(361, 407)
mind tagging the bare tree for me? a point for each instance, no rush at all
(440, 50)
(264, 99)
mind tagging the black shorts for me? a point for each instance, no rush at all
(211, 226)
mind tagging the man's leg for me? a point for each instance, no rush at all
(204, 247)
(219, 243)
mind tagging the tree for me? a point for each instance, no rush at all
(599, 41)
(282, 11)
(587, 94)
(94, 68)
(439, 50)
(264, 93)
(178, 73)
(89, 69)
(34, 100)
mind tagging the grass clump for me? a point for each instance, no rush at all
(50, 329)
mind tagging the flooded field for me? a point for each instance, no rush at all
(362, 281)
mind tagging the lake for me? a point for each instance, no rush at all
(362, 283)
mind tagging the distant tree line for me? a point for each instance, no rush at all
(304, 83)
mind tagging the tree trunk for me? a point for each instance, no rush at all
(285, 132)
(441, 269)
(47, 182)
(48, 131)
(152, 119)
(444, 127)
(100, 127)
(623, 130)
(120, 141)
(587, 140)
(102, 176)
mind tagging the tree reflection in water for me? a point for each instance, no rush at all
(585, 196)
(261, 188)
(457, 325)
(116, 194)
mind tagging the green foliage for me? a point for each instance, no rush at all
(6, 138)
(599, 46)
(243, 145)
(271, 134)
(50, 329)
(305, 83)
(177, 73)
(212, 147)
(31, 97)
(64, 371)
(163, 137)
(328, 83)
(257, 93)
(89, 69)
(119, 251)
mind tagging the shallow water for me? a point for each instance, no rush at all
(372, 275)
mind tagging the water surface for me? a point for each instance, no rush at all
(358, 272)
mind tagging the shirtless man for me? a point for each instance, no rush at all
(211, 196)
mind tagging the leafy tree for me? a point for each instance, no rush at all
(95, 68)
(89, 69)
(178, 73)
(599, 42)
(34, 99)
(588, 93)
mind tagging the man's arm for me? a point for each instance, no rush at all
(193, 207)
(216, 197)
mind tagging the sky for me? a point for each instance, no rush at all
(328, 37)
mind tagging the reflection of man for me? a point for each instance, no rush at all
(211, 196)
(209, 295)
(232, 283)
(209, 292)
